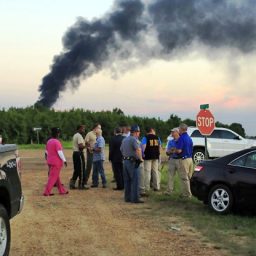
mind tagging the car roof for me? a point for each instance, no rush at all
(192, 128)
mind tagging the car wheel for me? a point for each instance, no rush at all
(5, 234)
(220, 199)
(198, 155)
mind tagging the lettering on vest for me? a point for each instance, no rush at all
(152, 147)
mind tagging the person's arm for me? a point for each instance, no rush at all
(81, 142)
(139, 154)
(110, 150)
(179, 146)
(62, 157)
(86, 140)
(99, 146)
(143, 144)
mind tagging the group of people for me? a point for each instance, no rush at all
(135, 163)
(94, 145)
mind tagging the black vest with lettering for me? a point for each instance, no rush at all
(152, 147)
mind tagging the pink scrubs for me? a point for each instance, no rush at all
(55, 163)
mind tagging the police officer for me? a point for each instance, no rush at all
(184, 149)
(78, 159)
(132, 156)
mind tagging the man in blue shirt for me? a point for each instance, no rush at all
(173, 163)
(184, 149)
(98, 159)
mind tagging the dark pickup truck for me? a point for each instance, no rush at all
(11, 198)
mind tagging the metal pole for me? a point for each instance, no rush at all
(37, 132)
(205, 148)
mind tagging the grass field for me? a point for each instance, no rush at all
(235, 233)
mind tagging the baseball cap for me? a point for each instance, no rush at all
(175, 130)
(135, 128)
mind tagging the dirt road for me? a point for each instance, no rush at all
(92, 222)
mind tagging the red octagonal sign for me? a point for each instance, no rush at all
(205, 122)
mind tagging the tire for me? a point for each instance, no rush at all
(5, 232)
(220, 199)
(198, 155)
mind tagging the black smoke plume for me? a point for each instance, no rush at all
(145, 30)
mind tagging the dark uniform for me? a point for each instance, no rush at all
(116, 158)
(78, 162)
(128, 148)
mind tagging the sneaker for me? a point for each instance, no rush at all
(167, 193)
(51, 194)
(104, 185)
(94, 186)
(156, 190)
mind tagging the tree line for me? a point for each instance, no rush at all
(17, 124)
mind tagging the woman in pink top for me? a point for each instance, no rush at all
(55, 160)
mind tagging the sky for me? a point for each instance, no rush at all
(31, 35)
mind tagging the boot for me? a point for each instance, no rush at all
(72, 184)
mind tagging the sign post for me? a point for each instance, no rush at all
(205, 123)
(37, 130)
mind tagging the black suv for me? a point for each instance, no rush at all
(11, 198)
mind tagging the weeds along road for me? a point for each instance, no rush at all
(92, 222)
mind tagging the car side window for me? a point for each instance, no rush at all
(248, 161)
(215, 134)
(228, 135)
(196, 134)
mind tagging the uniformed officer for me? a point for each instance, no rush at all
(78, 159)
(131, 152)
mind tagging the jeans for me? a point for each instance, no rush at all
(98, 169)
(131, 182)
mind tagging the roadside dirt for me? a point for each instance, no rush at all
(93, 222)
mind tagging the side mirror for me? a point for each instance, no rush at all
(237, 138)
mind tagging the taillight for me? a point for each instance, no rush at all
(199, 168)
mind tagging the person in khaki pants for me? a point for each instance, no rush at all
(184, 149)
(151, 148)
(173, 163)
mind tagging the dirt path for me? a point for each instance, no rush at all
(92, 222)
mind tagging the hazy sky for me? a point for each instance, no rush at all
(31, 35)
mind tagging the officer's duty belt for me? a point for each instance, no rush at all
(131, 158)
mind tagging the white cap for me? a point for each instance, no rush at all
(175, 130)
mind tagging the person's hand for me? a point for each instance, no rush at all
(65, 163)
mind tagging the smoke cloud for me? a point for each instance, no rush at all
(137, 31)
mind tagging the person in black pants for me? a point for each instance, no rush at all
(116, 158)
(78, 159)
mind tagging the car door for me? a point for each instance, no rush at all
(214, 142)
(241, 174)
(231, 142)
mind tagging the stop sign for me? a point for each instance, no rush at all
(205, 122)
